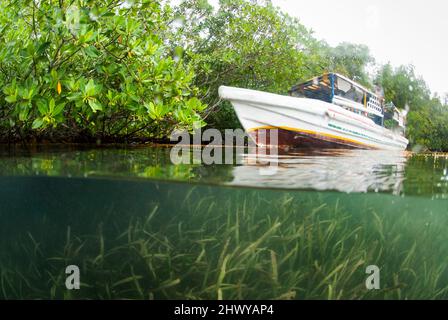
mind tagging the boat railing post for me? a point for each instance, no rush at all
(332, 86)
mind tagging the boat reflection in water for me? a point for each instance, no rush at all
(338, 170)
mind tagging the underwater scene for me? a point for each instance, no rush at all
(140, 227)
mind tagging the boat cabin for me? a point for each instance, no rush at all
(337, 89)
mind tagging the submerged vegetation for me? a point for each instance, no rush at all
(125, 70)
(221, 243)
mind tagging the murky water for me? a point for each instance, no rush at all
(138, 226)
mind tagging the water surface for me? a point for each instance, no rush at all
(352, 171)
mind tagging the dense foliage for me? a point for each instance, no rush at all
(90, 69)
(427, 120)
(115, 69)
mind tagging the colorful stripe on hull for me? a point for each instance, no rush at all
(294, 137)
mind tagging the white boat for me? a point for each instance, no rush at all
(330, 111)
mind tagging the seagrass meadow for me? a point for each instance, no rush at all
(137, 232)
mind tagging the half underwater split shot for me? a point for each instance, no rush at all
(139, 227)
(219, 158)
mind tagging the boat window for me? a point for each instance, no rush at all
(346, 90)
(343, 85)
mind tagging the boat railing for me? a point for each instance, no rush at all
(344, 102)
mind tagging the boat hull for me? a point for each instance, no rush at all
(302, 122)
(291, 138)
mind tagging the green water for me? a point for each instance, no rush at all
(140, 227)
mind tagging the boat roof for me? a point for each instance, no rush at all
(344, 78)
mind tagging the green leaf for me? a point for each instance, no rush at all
(42, 107)
(156, 111)
(195, 104)
(58, 109)
(38, 123)
(54, 75)
(87, 36)
(92, 52)
(74, 96)
(11, 99)
(51, 105)
(90, 89)
(23, 115)
(95, 105)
